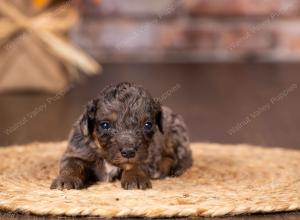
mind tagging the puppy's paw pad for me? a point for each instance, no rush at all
(136, 182)
(144, 183)
(176, 172)
(67, 183)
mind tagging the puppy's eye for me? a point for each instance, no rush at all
(105, 125)
(148, 125)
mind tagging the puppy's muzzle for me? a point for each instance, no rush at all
(128, 153)
(127, 141)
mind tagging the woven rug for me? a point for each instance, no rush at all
(225, 180)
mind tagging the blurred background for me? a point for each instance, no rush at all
(230, 67)
(189, 31)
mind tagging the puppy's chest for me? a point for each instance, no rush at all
(108, 172)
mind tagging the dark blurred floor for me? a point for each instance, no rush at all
(213, 98)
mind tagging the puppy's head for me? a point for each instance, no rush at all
(122, 122)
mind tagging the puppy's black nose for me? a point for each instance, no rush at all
(128, 152)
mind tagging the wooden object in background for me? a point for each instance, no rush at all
(35, 54)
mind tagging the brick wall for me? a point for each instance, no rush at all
(189, 30)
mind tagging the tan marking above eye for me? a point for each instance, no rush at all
(112, 117)
(145, 118)
(109, 117)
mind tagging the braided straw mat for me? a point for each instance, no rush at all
(225, 180)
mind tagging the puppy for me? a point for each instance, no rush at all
(124, 134)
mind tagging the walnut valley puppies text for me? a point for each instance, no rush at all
(263, 109)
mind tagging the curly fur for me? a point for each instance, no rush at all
(94, 153)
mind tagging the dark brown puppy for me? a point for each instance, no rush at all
(124, 133)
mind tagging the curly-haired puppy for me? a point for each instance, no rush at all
(124, 134)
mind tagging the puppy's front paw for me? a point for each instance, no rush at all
(67, 182)
(132, 180)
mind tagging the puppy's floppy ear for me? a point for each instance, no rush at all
(87, 121)
(159, 122)
(159, 117)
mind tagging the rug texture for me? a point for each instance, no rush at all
(225, 180)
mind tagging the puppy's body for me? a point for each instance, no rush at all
(126, 145)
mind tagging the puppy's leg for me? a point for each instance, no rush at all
(73, 174)
(135, 178)
(165, 166)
